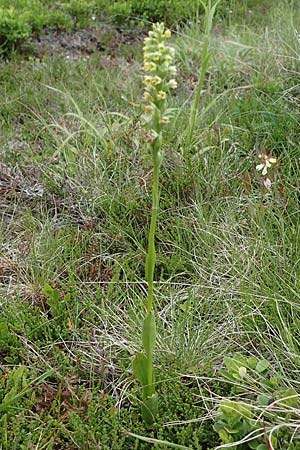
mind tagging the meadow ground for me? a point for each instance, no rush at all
(75, 184)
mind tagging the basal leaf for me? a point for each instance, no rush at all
(292, 401)
(150, 409)
(263, 400)
(262, 365)
(140, 368)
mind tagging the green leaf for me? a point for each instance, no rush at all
(67, 297)
(231, 364)
(185, 306)
(262, 447)
(263, 400)
(252, 362)
(57, 306)
(234, 409)
(55, 295)
(293, 401)
(274, 441)
(150, 409)
(149, 334)
(18, 375)
(253, 444)
(219, 425)
(273, 381)
(227, 375)
(48, 290)
(140, 368)
(224, 436)
(262, 365)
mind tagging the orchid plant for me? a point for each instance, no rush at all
(158, 81)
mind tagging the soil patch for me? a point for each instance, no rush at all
(80, 43)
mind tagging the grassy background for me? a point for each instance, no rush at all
(75, 207)
(21, 19)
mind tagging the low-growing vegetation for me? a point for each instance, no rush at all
(21, 19)
(76, 176)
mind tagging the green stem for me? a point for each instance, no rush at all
(151, 256)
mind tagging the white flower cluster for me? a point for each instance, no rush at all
(158, 59)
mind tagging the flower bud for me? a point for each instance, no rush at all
(148, 109)
(147, 96)
(172, 84)
(164, 120)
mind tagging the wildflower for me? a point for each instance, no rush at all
(149, 66)
(156, 80)
(158, 59)
(151, 56)
(172, 84)
(161, 95)
(148, 108)
(165, 120)
(150, 136)
(148, 81)
(267, 161)
(168, 59)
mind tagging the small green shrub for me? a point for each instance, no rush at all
(171, 12)
(168, 10)
(14, 27)
(80, 11)
(267, 403)
(20, 19)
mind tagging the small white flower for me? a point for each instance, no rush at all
(267, 162)
(172, 84)
(165, 120)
